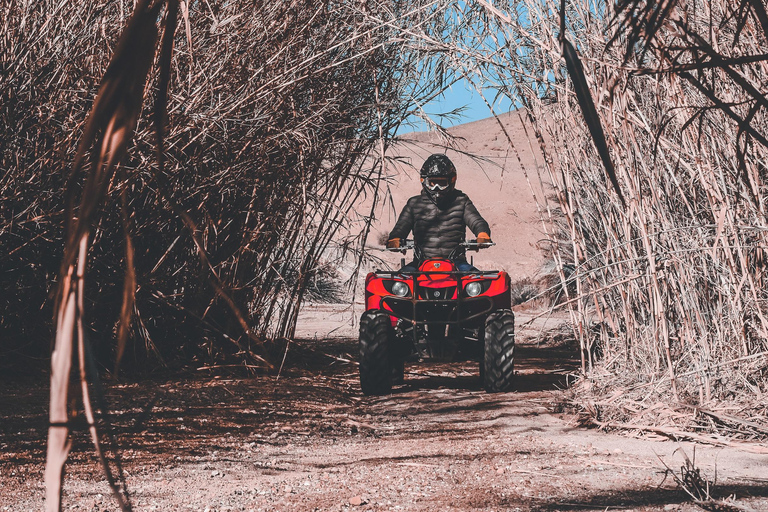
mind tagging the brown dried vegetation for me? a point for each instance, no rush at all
(665, 232)
(279, 117)
(276, 118)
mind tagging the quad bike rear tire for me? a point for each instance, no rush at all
(376, 368)
(498, 364)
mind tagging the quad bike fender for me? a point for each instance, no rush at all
(374, 291)
(499, 291)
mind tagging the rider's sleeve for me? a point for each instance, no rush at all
(404, 223)
(474, 221)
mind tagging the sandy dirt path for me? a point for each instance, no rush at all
(310, 441)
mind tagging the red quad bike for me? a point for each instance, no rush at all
(437, 313)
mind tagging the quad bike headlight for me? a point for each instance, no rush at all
(400, 289)
(474, 289)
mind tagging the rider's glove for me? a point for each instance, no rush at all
(483, 238)
(393, 243)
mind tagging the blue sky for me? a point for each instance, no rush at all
(461, 94)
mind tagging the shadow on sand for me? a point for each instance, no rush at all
(633, 499)
(537, 368)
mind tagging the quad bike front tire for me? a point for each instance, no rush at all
(498, 364)
(376, 368)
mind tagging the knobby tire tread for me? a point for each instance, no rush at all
(498, 358)
(376, 369)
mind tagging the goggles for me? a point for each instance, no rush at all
(437, 183)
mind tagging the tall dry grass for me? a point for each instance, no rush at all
(661, 188)
(671, 286)
(279, 116)
(275, 123)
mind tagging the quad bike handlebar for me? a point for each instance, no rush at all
(472, 245)
(405, 245)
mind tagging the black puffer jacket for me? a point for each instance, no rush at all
(438, 228)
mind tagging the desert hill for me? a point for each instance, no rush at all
(500, 178)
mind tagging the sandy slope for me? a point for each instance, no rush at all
(505, 181)
(493, 173)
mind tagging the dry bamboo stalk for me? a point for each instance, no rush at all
(61, 364)
(683, 167)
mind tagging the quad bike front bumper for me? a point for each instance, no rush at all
(446, 305)
(438, 311)
(438, 315)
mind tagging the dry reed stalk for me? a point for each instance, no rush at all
(269, 125)
(108, 129)
(264, 162)
(677, 276)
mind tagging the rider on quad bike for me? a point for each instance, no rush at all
(439, 216)
(438, 307)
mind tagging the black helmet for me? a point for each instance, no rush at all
(438, 176)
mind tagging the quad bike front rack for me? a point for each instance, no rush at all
(394, 301)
